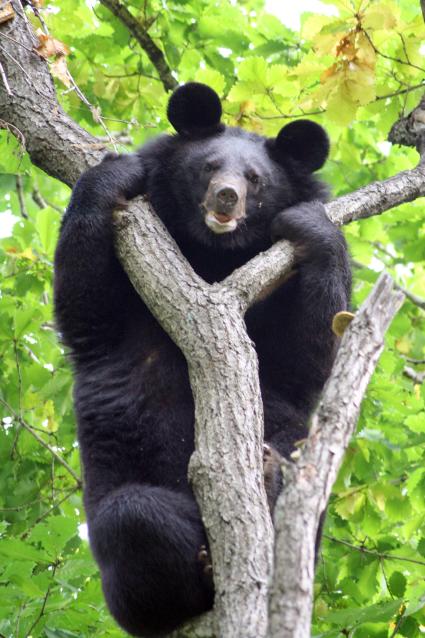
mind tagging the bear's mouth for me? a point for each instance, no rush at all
(221, 222)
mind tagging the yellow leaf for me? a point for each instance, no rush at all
(50, 46)
(28, 254)
(313, 25)
(25, 254)
(59, 70)
(341, 321)
(341, 107)
(365, 51)
(379, 497)
(403, 345)
(360, 82)
(49, 416)
(328, 73)
(346, 47)
(379, 17)
(277, 80)
(351, 504)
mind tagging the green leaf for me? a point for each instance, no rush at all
(397, 583)
(47, 225)
(60, 633)
(15, 549)
(352, 617)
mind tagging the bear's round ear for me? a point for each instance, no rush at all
(195, 109)
(304, 141)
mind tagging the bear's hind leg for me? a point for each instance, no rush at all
(147, 541)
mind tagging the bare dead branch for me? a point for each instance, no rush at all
(5, 81)
(21, 198)
(416, 377)
(309, 481)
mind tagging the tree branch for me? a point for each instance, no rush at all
(308, 483)
(223, 371)
(373, 552)
(207, 323)
(140, 33)
(410, 130)
(42, 442)
(53, 140)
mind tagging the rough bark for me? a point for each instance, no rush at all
(308, 483)
(206, 321)
(207, 324)
(53, 140)
(410, 130)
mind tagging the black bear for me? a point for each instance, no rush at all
(224, 195)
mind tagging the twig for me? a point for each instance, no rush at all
(29, 80)
(46, 513)
(5, 81)
(400, 92)
(43, 203)
(290, 116)
(390, 57)
(378, 555)
(418, 362)
(142, 36)
(21, 12)
(95, 111)
(15, 131)
(417, 377)
(43, 606)
(9, 37)
(38, 438)
(39, 16)
(415, 299)
(398, 623)
(21, 199)
(19, 508)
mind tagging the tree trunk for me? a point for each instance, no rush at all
(207, 324)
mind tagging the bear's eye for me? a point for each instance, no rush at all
(253, 178)
(209, 167)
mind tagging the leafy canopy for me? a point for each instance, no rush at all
(355, 72)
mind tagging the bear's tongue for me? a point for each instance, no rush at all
(222, 218)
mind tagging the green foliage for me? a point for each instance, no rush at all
(370, 576)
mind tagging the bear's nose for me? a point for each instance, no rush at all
(227, 196)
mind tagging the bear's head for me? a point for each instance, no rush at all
(231, 183)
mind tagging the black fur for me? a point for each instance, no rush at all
(303, 141)
(132, 395)
(195, 109)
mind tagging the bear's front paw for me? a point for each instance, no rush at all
(111, 183)
(126, 172)
(272, 464)
(308, 227)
